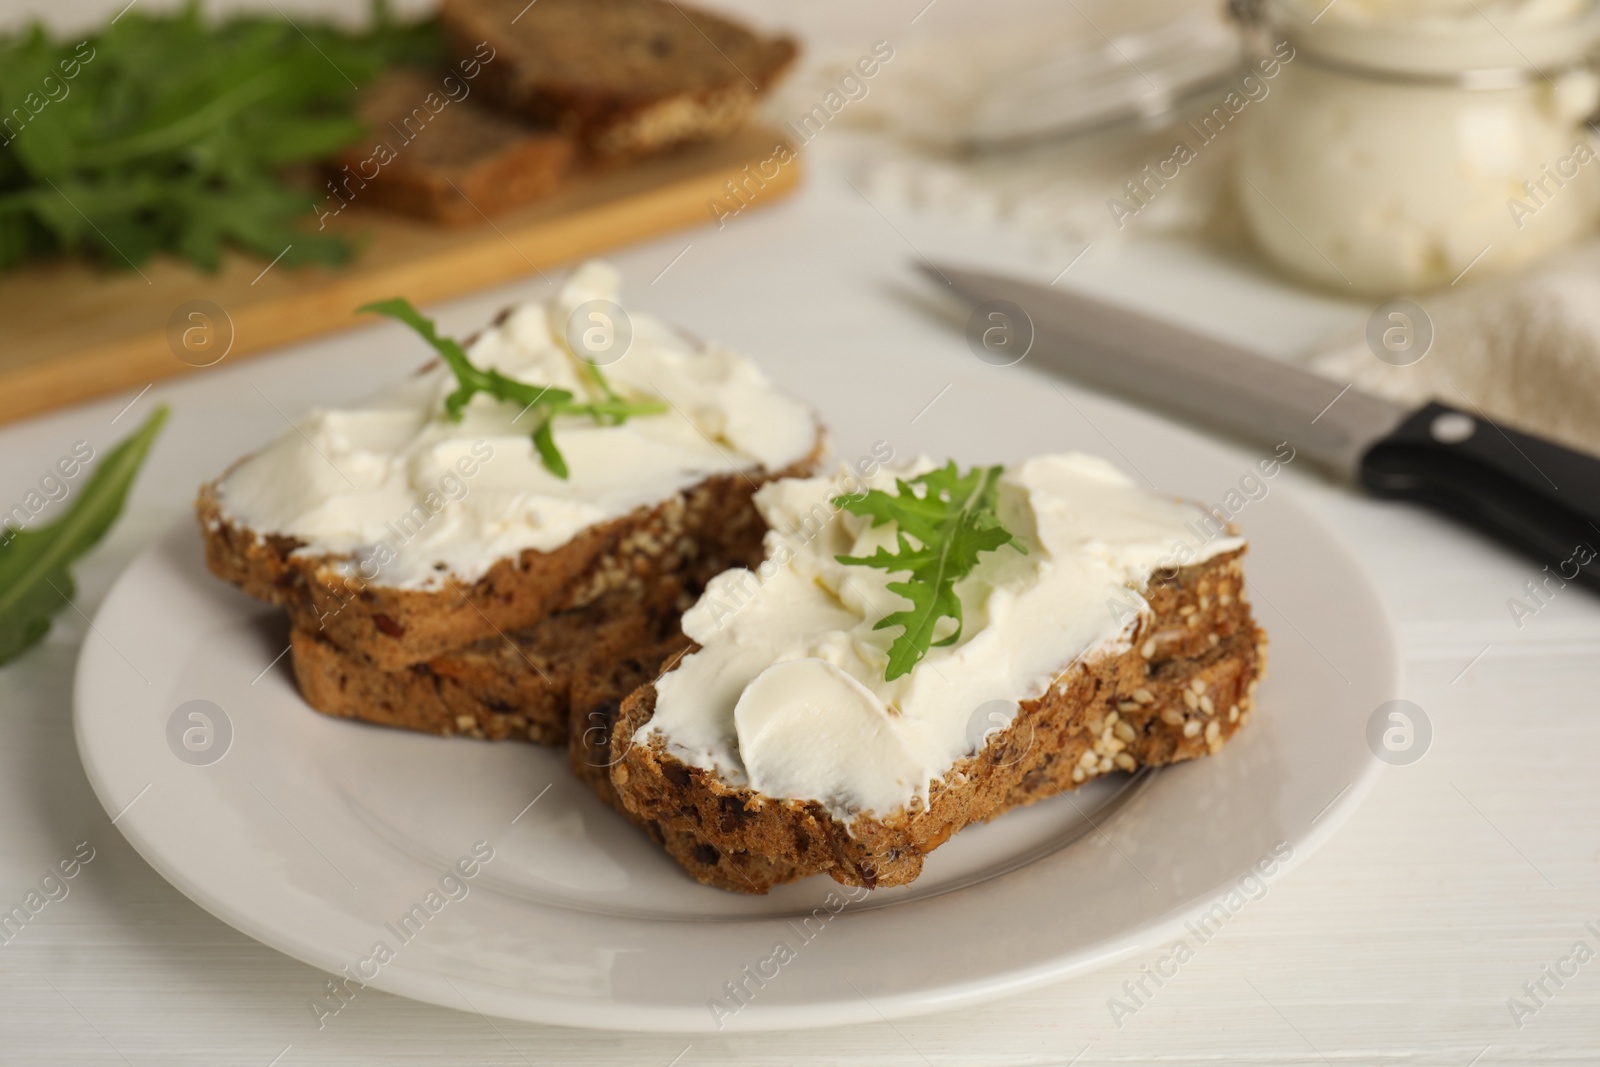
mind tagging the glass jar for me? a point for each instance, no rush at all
(1411, 141)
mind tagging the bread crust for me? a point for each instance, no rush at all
(515, 687)
(626, 77)
(1117, 709)
(599, 688)
(395, 627)
(455, 165)
(482, 701)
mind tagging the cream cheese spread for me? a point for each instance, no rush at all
(1408, 140)
(408, 497)
(787, 692)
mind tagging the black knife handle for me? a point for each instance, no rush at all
(1534, 495)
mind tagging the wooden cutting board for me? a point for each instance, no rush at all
(70, 331)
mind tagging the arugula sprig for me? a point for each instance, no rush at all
(35, 582)
(951, 520)
(542, 402)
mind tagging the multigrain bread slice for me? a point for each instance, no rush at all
(627, 77)
(433, 150)
(515, 687)
(1157, 725)
(394, 627)
(521, 685)
(476, 692)
(1180, 688)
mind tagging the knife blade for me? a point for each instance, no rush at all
(1530, 493)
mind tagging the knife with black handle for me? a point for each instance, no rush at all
(1531, 494)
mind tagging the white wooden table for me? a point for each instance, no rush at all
(1463, 877)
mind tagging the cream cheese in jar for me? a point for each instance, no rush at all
(1413, 140)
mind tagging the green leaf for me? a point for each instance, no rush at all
(544, 440)
(160, 125)
(401, 310)
(35, 581)
(940, 532)
(543, 402)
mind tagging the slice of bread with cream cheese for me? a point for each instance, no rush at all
(1113, 635)
(399, 534)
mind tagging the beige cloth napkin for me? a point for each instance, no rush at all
(1524, 349)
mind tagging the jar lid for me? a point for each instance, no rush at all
(1438, 37)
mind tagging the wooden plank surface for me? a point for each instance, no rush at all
(70, 331)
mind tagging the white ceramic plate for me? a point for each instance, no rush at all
(318, 836)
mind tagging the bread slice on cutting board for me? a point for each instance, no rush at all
(626, 77)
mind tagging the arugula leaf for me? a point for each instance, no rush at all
(34, 580)
(544, 440)
(172, 132)
(952, 520)
(544, 402)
